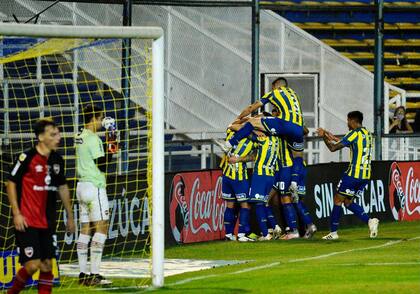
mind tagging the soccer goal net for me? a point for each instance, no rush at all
(56, 71)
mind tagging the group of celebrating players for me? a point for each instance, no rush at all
(275, 143)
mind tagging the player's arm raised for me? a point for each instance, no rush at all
(329, 140)
(250, 109)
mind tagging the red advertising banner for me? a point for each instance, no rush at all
(404, 190)
(196, 207)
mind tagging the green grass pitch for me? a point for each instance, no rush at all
(352, 264)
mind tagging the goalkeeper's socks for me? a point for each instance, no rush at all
(96, 249)
(244, 221)
(272, 221)
(261, 218)
(290, 215)
(82, 252)
(335, 218)
(244, 132)
(303, 212)
(45, 282)
(20, 281)
(358, 211)
(229, 220)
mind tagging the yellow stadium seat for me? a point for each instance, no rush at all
(364, 55)
(354, 3)
(401, 3)
(315, 26)
(413, 42)
(411, 67)
(394, 42)
(411, 55)
(333, 3)
(361, 25)
(408, 26)
(310, 3)
(390, 26)
(412, 105)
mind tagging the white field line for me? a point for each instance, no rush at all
(185, 281)
(378, 263)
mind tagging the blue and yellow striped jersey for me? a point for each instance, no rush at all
(236, 171)
(360, 143)
(287, 102)
(267, 153)
(284, 157)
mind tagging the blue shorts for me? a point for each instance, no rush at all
(301, 183)
(260, 188)
(234, 190)
(350, 187)
(280, 127)
(282, 180)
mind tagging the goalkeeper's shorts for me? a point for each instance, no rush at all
(93, 202)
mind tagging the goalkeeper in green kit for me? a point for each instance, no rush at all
(91, 162)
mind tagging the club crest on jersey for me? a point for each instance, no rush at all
(39, 168)
(29, 251)
(22, 157)
(56, 168)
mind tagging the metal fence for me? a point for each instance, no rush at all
(203, 153)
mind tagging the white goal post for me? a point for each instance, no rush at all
(109, 32)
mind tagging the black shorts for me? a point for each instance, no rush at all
(36, 244)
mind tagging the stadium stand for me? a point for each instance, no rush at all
(348, 26)
(24, 96)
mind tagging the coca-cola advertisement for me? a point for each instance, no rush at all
(196, 208)
(404, 190)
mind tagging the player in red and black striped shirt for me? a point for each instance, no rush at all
(32, 187)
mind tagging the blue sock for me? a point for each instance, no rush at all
(244, 221)
(261, 218)
(335, 217)
(272, 222)
(244, 132)
(358, 211)
(290, 215)
(297, 168)
(303, 212)
(229, 220)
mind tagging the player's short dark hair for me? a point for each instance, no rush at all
(280, 79)
(41, 124)
(90, 111)
(356, 115)
(266, 113)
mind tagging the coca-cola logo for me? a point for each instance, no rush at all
(196, 207)
(206, 212)
(404, 190)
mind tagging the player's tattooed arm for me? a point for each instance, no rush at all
(330, 140)
(250, 109)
